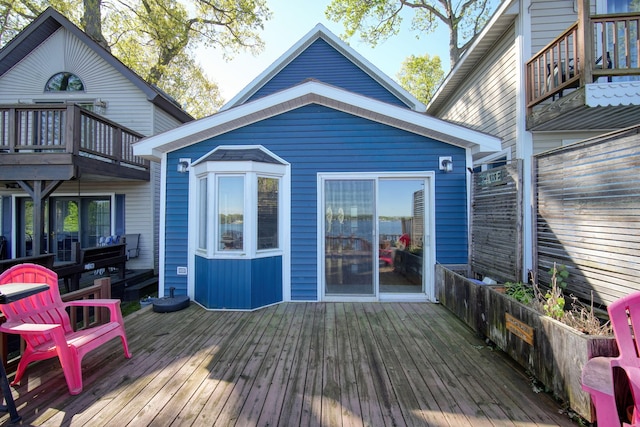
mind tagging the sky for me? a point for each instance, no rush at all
(291, 20)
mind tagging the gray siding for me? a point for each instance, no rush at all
(126, 104)
(549, 18)
(486, 101)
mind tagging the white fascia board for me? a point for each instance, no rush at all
(506, 9)
(320, 31)
(333, 97)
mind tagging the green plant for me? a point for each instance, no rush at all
(522, 292)
(553, 301)
(560, 274)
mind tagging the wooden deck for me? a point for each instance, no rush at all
(324, 364)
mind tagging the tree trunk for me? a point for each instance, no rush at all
(92, 21)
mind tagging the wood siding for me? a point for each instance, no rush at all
(496, 228)
(316, 139)
(588, 215)
(488, 104)
(320, 61)
(126, 104)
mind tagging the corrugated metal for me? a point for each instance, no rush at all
(316, 139)
(238, 283)
(322, 62)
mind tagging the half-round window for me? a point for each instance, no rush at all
(64, 82)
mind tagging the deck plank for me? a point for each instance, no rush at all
(322, 364)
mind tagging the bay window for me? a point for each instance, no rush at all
(238, 203)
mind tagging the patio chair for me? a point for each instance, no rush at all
(133, 245)
(44, 324)
(598, 374)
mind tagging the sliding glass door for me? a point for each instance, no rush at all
(349, 231)
(401, 221)
(374, 233)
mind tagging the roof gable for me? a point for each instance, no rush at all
(47, 24)
(322, 56)
(313, 92)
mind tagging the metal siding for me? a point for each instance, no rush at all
(266, 278)
(322, 62)
(318, 139)
(176, 228)
(238, 283)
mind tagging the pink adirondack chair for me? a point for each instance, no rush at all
(598, 373)
(44, 324)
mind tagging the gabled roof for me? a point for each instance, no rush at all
(314, 92)
(502, 19)
(320, 31)
(48, 23)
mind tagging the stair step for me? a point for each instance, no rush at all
(141, 289)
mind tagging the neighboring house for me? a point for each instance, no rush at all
(69, 112)
(542, 75)
(321, 180)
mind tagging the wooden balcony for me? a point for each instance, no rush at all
(63, 142)
(600, 51)
(323, 364)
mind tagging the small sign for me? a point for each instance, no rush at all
(492, 177)
(89, 266)
(520, 329)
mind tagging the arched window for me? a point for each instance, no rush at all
(64, 82)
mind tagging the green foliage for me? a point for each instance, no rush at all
(158, 38)
(421, 76)
(522, 292)
(553, 303)
(559, 275)
(377, 20)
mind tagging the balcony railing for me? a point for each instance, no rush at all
(69, 129)
(565, 63)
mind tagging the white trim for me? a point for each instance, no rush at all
(315, 93)
(162, 242)
(429, 243)
(524, 138)
(250, 171)
(320, 31)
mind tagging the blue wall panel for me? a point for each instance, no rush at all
(322, 62)
(238, 283)
(318, 139)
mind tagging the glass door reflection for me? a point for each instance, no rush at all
(349, 207)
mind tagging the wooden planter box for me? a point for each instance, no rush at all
(553, 352)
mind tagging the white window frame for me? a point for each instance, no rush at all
(429, 246)
(250, 170)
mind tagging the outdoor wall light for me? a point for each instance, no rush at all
(446, 164)
(183, 165)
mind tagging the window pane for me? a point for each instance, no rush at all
(267, 213)
(231, 212)
(64, 82)
(95, 221)
(202, 213)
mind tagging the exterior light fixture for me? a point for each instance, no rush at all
(446, 164)
(183, 165)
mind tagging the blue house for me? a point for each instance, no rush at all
(323, 180)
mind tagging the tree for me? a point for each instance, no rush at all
(377, 20)
(421, 76)
(158, 38)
